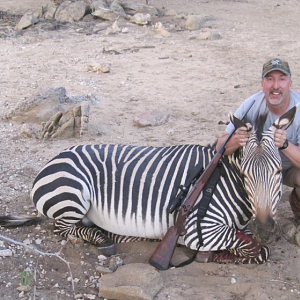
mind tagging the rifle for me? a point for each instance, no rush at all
(162, 255)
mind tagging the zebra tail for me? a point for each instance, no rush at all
(12, 221)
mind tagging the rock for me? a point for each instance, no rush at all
(194, 22)
(134, 8)
(62, 14)
(71, 123)
(79, 9)
(27, 131)
(6, 253)
(103, 270)
(115, 262)
(118, 9)
(151, 118)
(98, 67)
(160, 30)
(24, 288)
(27, 20)
(207, 34)
(98, 4)
(297, 236)
(141, 19)
(40, 107)
(88, 18)
(289, 230)
(72, 11)
(112, 30)
(39, 13)
(105, 14)
(57, 113)
(99, 27)
(76, 99)
(50, 11)
(58, 2)
(131, 282)
(66, 131)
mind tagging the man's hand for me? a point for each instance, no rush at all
(279, 137)
(242, 135)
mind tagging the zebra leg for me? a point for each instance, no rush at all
(246, 250)
(118, 239)
(89, 234)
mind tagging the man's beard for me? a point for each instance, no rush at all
(277, 100)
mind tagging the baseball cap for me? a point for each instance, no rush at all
(276, 64)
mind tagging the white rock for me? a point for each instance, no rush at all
(38, 241)
(27, 20)
(6, 253)
(194, 22)
(160, 29)
(27, 242)
(141, 19)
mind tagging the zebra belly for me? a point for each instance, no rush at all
(131, 225)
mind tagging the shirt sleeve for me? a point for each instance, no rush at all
(244, 106)
(238, 114)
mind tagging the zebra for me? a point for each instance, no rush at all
(125, 191)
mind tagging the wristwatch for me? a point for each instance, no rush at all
(285, 145)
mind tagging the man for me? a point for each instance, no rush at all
(275, 98)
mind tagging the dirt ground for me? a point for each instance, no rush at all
(198, 82)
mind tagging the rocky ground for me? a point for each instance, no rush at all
(196, 81)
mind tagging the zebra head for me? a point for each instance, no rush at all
(261, 168)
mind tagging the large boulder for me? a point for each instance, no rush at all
(39, 108)
(105, 14)
(72, 11)
(134, 8)
(27, 20)
(49, 11)
(131, 282)
(194, 22)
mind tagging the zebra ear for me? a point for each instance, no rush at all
(237, 123)
(286, 119)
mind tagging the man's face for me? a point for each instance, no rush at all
(276, 86)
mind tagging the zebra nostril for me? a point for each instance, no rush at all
(265, 231)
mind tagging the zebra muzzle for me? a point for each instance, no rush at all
(264, 232)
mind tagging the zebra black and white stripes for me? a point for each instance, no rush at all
(129, 187)
(125, 190)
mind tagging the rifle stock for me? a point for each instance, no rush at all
(162, 255)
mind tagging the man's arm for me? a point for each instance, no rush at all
(292, 152)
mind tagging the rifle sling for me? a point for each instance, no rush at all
(188, 261)
(202, 208)
(206, 198)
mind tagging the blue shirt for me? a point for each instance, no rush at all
(260, 105)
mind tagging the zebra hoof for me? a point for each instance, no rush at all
(108, 251)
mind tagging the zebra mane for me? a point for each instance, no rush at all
(258, 125)
(212, 146)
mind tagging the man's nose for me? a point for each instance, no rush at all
(276, 84)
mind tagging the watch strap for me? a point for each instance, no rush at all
(285, 145)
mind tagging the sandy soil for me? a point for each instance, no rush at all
(198, 82)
